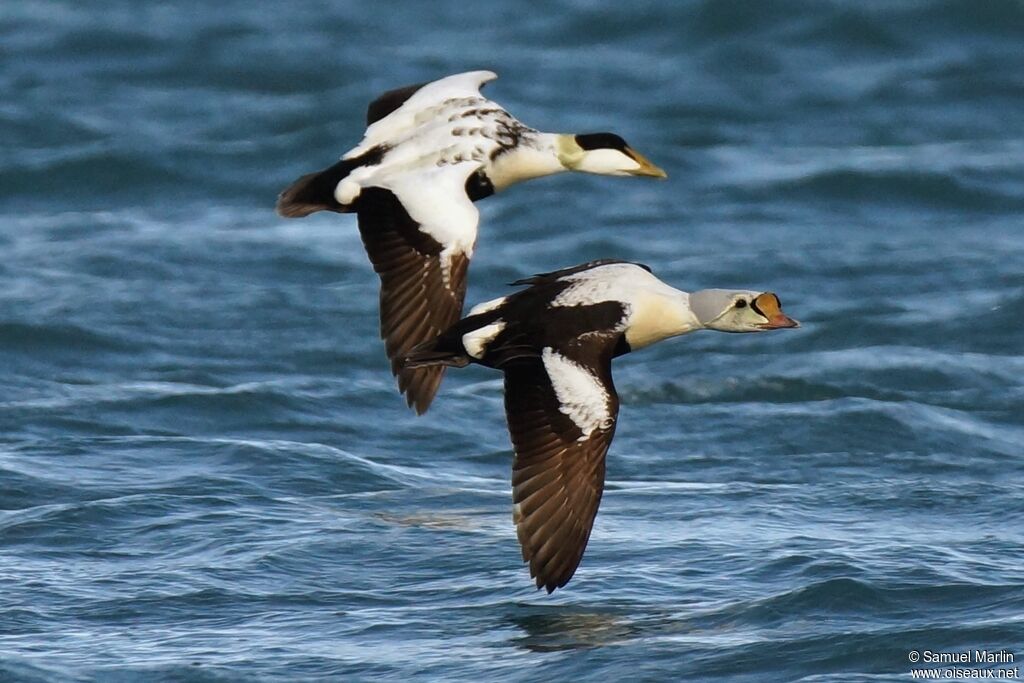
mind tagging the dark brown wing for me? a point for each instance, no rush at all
(416, 302)
(558, 473)
(390, 101)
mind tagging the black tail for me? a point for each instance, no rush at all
(315, 191)
(429, 354)
(447, 348)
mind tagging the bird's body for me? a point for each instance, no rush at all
(429, 152)
(554, 342)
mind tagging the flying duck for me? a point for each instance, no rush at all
(429, 152)
(555, 342)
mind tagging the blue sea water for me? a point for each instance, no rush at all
(206, 473)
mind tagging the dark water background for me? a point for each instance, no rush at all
(205, 471)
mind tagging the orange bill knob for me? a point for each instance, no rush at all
(770, 307)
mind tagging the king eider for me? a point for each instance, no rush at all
(429, 152)
(555, 342)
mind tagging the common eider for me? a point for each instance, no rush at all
(429, 152)
(555, 341)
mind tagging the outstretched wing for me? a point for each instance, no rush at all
(561, 410)
(395, 112)
(419, 234)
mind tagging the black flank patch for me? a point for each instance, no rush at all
(479, 186)
(622, 347)
(533, 324)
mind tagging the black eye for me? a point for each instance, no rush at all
(742, 303)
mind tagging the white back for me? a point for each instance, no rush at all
(623, 282)
(654, 310)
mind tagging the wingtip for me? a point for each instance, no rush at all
(479, 77)
(419, 384)
(418, 409)
(417, 402)
(547, 584)
(484, 75)
(419, 405)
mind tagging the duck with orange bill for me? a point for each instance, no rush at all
(554, 342)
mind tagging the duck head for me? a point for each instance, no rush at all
(604, 154)
(739, 311)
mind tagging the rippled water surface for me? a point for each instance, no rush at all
(207, 475)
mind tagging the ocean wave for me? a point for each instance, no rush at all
(30, 670)
(36, 338)
(901, 189)
(206, 472)
(964, 175)
(92, 177)
(871, 601)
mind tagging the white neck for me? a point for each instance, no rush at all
(658, 315)
(536, 156)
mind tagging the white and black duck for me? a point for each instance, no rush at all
(555, 342)
(429, 152)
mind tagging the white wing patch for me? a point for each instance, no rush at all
(581, 395)
(487, 306)
(476, 341)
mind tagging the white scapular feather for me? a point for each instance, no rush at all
(476, 341)
(487, 305)
(581, 395)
